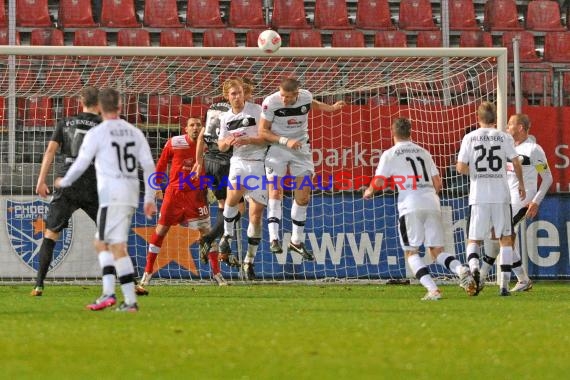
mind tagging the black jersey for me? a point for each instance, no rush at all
(69, 134)
(213, 130)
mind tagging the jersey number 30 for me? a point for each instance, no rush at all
(124, 157)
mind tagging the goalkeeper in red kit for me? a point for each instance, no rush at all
(185, 202)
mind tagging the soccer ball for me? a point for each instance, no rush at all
(269, 41)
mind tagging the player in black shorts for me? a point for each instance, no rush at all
(67, 139)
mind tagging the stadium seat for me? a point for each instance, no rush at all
(46, 37)
(416, 15)
(475, 38)
(429, 38)
(527, 50)
(148, 81)
(331, 14)
(247, 14)
(71, 106)
(90, 37)
(289, 14)
(63, 82)
(373, 14)
(348, 38)
(176, 37)
(536, 81)
(76, 14)
(462, 15)
(161, 14)
(4, 37)
(133, 37)
(305, 38)
(193, 83)
(501, 15)
(204, 14)
(557, 47)
(390, 38)
(3, 18)
(219, 38)
(119, 14)
(163, 109)
(3, 116)
(34, 14)
(110, 75)
(251, 37)
(38, 112)
(543, 16)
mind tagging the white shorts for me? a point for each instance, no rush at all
(249, 175)
(421, 227)
(484, 217)
(198, 224)
(114, 224)
(299, 162)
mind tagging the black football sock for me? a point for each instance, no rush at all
(46, 255)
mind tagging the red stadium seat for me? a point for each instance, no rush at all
(462, 15)
(289, 14)
(71, 106)
(544, 16)
(527, 50)
(38, 112)
(305, 38)
(3, 18)
(416, 15)
(106, 76)
(90, 37)
(161, 14)
(26, 82)
(204, 14)
(475, 38)
(4, 37)
(46, 37)
(247, 14)
(348, 38)
(219, 38)
(251, 37)
(119, 14)
(148, 81)
(331, 14)
(501, 15)
(133, 37)
(63, 82)
(429, 38)
(3, 116)
(76, 14)
(193, 83)
(176, 37)
(390, 38)
(536, 80)
(33, 14)
(373, 14)
(163, 109)
(557, 47)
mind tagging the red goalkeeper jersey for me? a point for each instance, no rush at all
(180, 152)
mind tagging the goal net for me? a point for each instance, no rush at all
(438, 89)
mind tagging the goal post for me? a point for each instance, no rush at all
(439, 89)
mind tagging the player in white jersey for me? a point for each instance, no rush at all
(118, 149)
(410, 168)
(534, 164)
(483, 156)
(284, 124)
(239, 129)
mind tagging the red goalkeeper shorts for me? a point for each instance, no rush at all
(183, 206)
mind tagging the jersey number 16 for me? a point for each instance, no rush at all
(125, 157)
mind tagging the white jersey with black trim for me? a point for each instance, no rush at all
(534, 163)
(289, 121)
(118, 149)
(244, 123)
(487, 150)
(409, 168)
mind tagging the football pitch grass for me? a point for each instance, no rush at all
(287, 332)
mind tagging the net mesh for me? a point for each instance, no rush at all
(351, 238)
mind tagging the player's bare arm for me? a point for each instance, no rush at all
(42, 188)
(327, 107)
(462, 168)
(437, 183)
(200, 146)
(266, 133)
(249, 140)
(226, 143)
(376, 183)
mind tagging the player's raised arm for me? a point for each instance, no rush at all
(315, 104)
